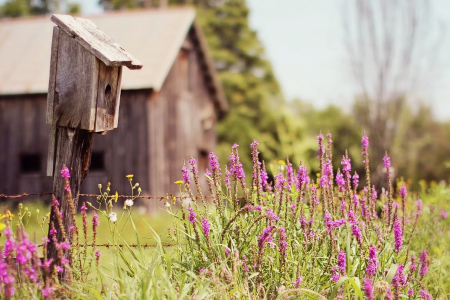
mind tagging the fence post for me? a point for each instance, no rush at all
(83, 98)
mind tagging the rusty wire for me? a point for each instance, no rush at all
(119, 245)
(25, 195)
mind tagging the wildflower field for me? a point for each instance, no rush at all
(290, 236)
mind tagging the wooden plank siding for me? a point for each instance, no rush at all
(123, 149)
(23, 131)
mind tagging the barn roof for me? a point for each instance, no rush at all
(153, 36)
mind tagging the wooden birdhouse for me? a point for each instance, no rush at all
(85, 76)
(84, 85)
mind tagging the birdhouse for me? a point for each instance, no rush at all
(85, 76)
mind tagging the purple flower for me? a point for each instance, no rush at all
(443, 214)
(272, 215)
(389, 295)
(372, 261)
(64, 260)
(55, 202)
(64, 245)
(403, 191)
(314, 199)
(321, 149)
(398, 235)
(208, 173)
(265, 237)
(298, 282)
(364, 142)
(95, 220)
(227, 252)
(205, 226)
(335, 274)
(201, 271)
(214, 162)
(290, 176)
(340, 181)
(192, 215)
(423, 262)
(194, 169)
(332, 224)
(355, 180)
(47, 292)
(97, 253)
(282, 241)
(357, 233)
(293, 206)
(351, 217)
(342, 262)
(425, 295)
(410, 292)
(279, 181)
(186, 175)
(47, 263)
(386, 161)
(346, 165)
(59, 269)
(65, 172)
(302, 177)
(368, 289)
(325, 179)
(264, 179)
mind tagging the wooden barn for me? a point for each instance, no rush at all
(168, 110)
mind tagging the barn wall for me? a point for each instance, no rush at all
(123, 149)
(23, 132)
(183, 119)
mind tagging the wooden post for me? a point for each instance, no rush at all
(73, 149)
(83, 98)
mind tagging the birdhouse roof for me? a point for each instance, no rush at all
(86, 33)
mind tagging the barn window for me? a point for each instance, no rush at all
(97, 161)
(30, 163)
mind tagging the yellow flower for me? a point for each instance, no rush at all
(281, 162)
(129, 176)
(2, 226)
(115, 197)
(179, 182)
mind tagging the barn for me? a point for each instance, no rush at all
(168, 110)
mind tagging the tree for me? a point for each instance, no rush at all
(391, 51)
(257, 107)
(18, 8)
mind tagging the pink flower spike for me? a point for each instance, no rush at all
(65, 172)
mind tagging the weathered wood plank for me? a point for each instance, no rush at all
(52, 79)
(76, 85)
(95, 41)
(73, 150)
(108, 90)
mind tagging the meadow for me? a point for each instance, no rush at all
(286, 234)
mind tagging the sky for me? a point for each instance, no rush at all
(304, 40)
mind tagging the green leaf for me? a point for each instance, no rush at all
(391, 273)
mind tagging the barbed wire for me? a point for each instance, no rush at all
(119, 245)
(169, 197)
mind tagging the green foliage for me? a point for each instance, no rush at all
(19, 8)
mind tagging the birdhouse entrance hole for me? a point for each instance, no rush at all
(107, 91)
